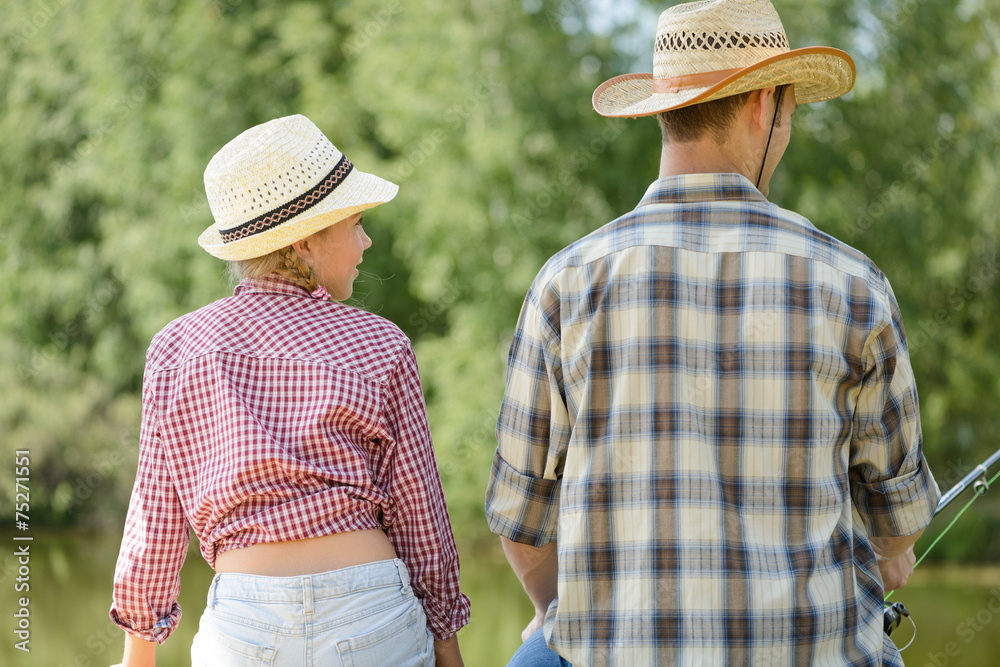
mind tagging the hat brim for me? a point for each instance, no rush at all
(819, 73)
(358, 192)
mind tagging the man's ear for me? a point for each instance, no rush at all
(760, 108)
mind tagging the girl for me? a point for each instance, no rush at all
(289, 432)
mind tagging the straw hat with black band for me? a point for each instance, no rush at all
(718, 48)
(279, 182)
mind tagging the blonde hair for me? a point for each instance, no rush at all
(284, 262)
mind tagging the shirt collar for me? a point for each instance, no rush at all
(275, 284)
(695, 188)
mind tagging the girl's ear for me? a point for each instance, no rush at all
(304, 251)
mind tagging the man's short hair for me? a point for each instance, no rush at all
(692, 122)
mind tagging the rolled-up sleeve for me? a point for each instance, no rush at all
(533, 429)
(891, 483)
(154, 545)
(421, 532)
(521, 508)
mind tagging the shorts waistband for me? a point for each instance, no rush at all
(306, 588)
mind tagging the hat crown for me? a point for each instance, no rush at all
(716, 35)
(713, 49)
(299, 158)
(279, 182)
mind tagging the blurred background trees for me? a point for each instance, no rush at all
(481, 112)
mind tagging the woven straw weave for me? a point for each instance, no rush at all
(742, 43)
(279, 182)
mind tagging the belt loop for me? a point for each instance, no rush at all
(213, 591)
(404, 574)
(307, 595)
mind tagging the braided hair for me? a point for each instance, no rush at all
(284, 262)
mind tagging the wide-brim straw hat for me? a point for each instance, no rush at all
(719, 48)
(279, 182)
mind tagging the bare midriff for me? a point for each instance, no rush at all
(309, 556)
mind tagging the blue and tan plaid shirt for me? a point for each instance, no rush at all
(710, 406)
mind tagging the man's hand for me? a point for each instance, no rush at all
(895, 559)
(537, 622)
(538, 570)
(895, 571)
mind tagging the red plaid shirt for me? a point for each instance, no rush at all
(271, 416)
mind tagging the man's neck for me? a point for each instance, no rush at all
(703, 156)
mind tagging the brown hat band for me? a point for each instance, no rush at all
(301, 203)
(701, 80)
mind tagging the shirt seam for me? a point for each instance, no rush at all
(319, 361)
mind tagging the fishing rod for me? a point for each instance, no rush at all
(893, 614)
(976, 479)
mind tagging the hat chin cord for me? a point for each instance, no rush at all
(777, 110)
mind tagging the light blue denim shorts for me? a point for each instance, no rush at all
(365, 615)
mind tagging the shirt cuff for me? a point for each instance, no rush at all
(160, 630)
(520, 507)
(899, 506)
(443, 623)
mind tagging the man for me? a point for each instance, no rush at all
(709, 445)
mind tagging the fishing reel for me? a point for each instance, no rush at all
(892, 616)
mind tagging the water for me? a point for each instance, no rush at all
(71, 580)
(956, 609)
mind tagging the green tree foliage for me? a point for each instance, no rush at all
(904, 169)
(481, 112)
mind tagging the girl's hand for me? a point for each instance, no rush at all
(138, 653)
